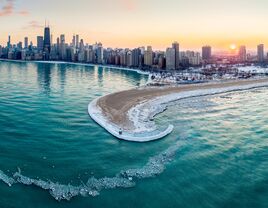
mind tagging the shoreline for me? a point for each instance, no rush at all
(133, 111)
(81, 64)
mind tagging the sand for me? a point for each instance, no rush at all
(115, 106)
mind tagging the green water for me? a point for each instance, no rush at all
(219, 143)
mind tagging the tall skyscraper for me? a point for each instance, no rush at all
(206, 53)
(260, 52)
(47, 42)
(62, 50)
(9, 42)
(136, 54)
(100, 54)
(73, 41)
(77, 41)
(171, 58)
(40, 43)
(26, 42)
(148, 56)
(176, 47)
(242, 53)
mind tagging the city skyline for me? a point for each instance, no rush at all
(132, 23)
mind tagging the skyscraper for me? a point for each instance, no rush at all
(100, 54)
(206, 53)
(40, 43)
(260, 50)
(26, 42)
(176, 47)
(148, 56)
(73, 41)
(242, 53)
(77, 41)
(62, 50)
(47, 42)
(171, 58)
(9, 42)
(136, 53)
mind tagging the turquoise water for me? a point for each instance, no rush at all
(217, 155)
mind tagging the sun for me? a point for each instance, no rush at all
(232, 46)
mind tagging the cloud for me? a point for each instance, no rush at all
(33, 25)
(23, 13)
(7, 9)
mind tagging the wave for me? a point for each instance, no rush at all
(125, 179)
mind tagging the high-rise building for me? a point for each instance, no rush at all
(100, 54)
(1, 51)
(40, 43)
(194, 58)
(47, 43)
(148, 56)
(73, 41)
(242, 53)
(206, 53)
(9, 42)
(26, 42)
(176, 47)
(171, 58)
(129, 59)
(62, 50)
(136, 54)
(19, 45)
(260, 49)
(77, 41)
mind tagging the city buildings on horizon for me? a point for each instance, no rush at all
(146, 58)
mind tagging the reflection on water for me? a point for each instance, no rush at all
(44, 76)
(62, 76)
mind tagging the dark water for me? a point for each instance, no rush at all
(216, 157)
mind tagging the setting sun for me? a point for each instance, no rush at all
(232, 46)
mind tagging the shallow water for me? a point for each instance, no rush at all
(217, 155)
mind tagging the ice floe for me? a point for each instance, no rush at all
(124, 179)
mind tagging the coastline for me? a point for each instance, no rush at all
(81, 64)
(132, 111)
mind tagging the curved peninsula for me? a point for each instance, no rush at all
(128, 115)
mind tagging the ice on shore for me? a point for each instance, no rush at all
(253, 69)
(144, 129)
(143, 113)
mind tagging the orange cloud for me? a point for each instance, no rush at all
(7, 9)
(23, 13)
(33, 25)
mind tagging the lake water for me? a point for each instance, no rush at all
(217, 155)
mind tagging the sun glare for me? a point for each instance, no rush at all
(232, 46)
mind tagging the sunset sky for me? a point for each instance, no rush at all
(132, 23)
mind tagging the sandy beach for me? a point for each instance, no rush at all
(115, 107)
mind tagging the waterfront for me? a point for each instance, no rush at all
(220, 142)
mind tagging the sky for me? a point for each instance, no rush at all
(133, 23)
